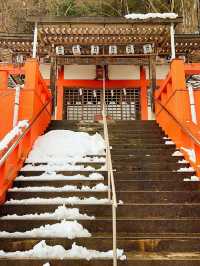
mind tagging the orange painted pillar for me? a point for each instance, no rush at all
(3, 80)
(60, 93)
(179, 104)
(143, 94)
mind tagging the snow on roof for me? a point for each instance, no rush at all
(152, 15)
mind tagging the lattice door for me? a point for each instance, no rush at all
(84, 104)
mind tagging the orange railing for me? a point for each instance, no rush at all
(175, 111)
(34, 106)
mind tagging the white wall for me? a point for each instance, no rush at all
(86, 72)
(45, 70)
(115, 72)
(161, 71)
(123, 72)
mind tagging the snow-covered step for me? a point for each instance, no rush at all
(57, 183)
(61, 175)
(100, 187)
(92, 167)
(137, 210)
(104, 225)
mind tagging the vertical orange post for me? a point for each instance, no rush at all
(179, 104)
(60, 92)
(144, 96)
(3, 80)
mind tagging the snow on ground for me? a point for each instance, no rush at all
(59, 200)
(65, 229)
(177, 153)
(192, 178)
(186, 169)
(66, 144)
(42, 250)
(61, 213)
(67, 188)
(54, 176)
(13, 133)
(191, 154)
(152, 15)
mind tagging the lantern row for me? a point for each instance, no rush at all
(95, 49)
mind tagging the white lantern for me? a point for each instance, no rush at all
(60, 50)
(20, 59)
(76, 49)
(130, 49)
(112, 49)
(94, 50)
(147, 49)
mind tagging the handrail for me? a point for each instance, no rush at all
(111, 181)
(14, 145)
(168, 100)
(186, 130)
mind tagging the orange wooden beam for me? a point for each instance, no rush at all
(192, 69)
(143, 94)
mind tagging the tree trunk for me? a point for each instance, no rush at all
(189, 10)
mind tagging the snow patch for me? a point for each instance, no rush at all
(191, 154)
(13, 133)
(192, 178)
(177, 153)
(152, 15)
(46, 264)
(54, 176)
(42, 250)
(68, 229)
(182, 161)
(59, 200)
(99, 187)
(186, 169)
(61, 213)
(169, 142)
(66, 144)
(60, 167)
(65, 160)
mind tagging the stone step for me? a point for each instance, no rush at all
(142, 146)
(137, 141)
(120, 185)
(47, 195)
(104, 225)
(102, 243)
(152, 175)
(182, 259)
(139, 151)
(125, 196)
(147, 158)
(159, 166)
(66, 173)
(138, 211)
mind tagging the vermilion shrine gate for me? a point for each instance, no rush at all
(73, 52)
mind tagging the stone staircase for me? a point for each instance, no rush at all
(158, 222)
